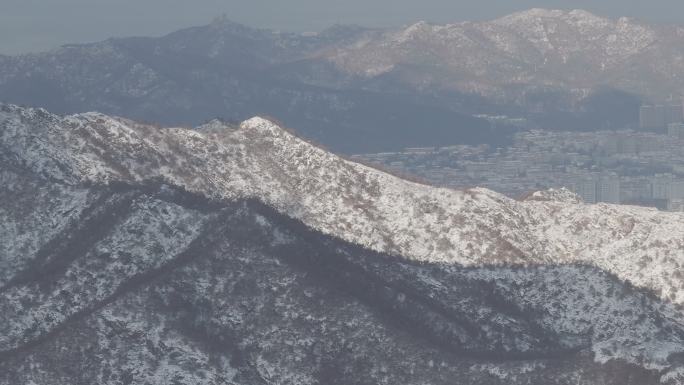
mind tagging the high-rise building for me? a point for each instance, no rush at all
(596, 187)
(661, 185)
(676, 205)
(677, 189)
(635, 189)
(585, 187)
(676, 130)
(608, 188)
(650, 118)
(674, 114)
(659, 116)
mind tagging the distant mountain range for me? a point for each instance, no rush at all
(570, 50)
(242, 254)
(362, 90)
(230, 71)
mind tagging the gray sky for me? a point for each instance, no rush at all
(35, 25)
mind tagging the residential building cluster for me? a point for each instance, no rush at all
(504, 121)
(627, 167)
(659, 117)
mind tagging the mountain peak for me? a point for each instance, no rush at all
(261, 125)
(577, 17)
(223, 21)
(553, 14)
(223, 26)
(541, 12)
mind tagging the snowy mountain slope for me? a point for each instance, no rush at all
(180, 288)
(357, 203)
(160, 242)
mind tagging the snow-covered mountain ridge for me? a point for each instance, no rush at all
(572, 49)
(351, 201)
(169, 252)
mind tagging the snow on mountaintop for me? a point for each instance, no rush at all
(578, 16)
(538, 46)
(351, 201)
(554, 29)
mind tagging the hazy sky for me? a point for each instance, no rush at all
(33, 25)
